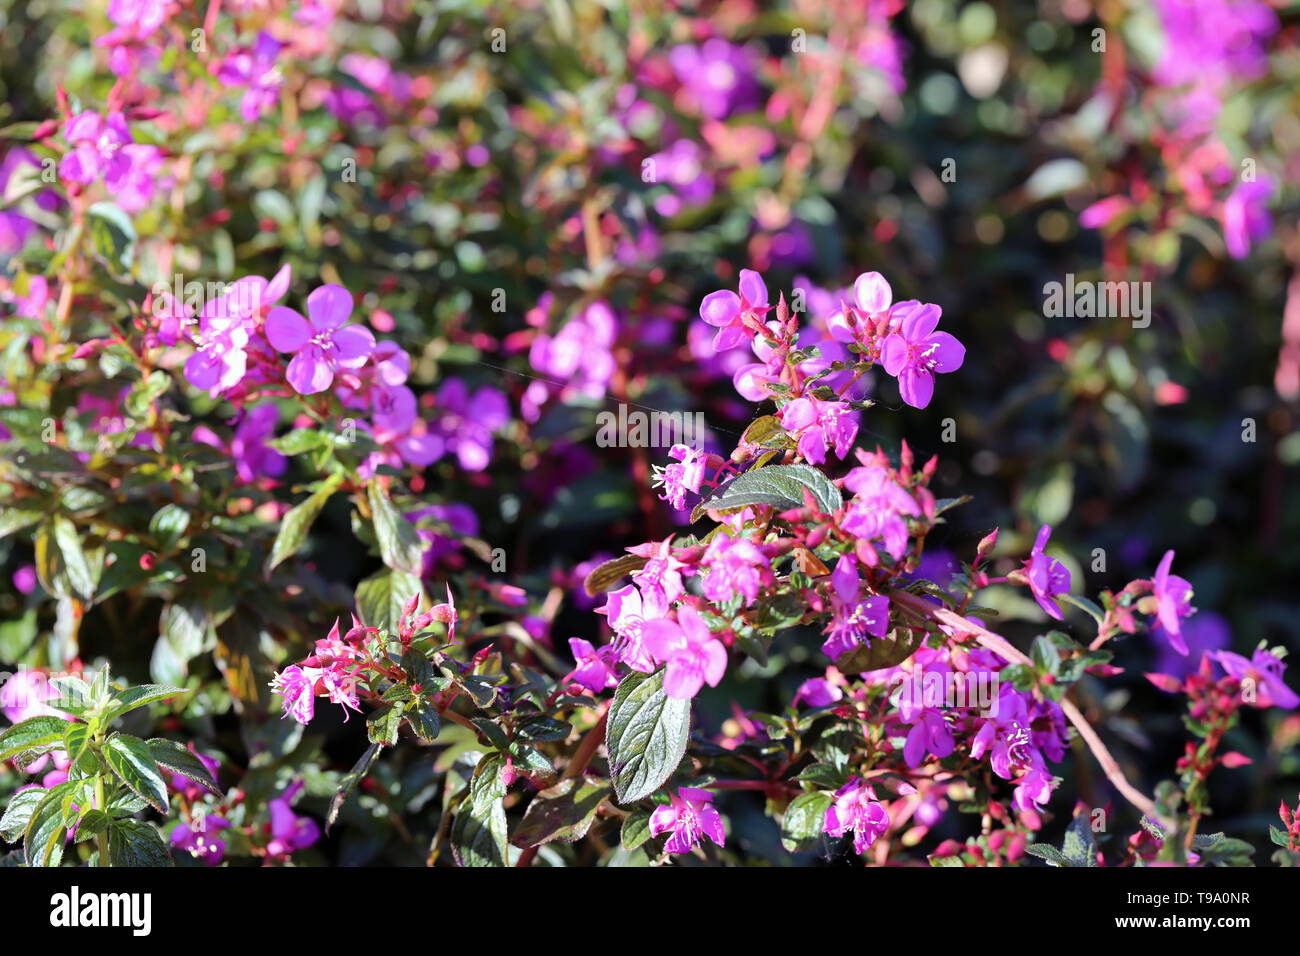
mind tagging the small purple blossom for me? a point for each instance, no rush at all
(1047, 576)
(1265, 669)
(854, 620)
(915, 352)
(595, 670)
(691, 654)
(321, 344)
(856, 810)
(689, 816)
(1173, 601)
(735, 566)
(684, 476)
(878, 508)
(818, 424)
(735, 315)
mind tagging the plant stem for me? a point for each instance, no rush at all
(101, 840)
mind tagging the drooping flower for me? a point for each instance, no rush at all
(689, 816)
(817, 424)
(854, 620)
(295, 684)
(684, 475)
(322, 344)
(856, 809)
(1264, 669)
(628, 612)
(736, 317)
(691, 654)
(289, 832)
(595, 670)
(817, 692)
(915, 352)
(1047, 576)
(1173, 601)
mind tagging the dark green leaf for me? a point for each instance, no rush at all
(780, 486)
(174, 758)
(130, 758)
(563, 812)
(646, 735)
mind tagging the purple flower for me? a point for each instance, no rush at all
(1246, 217)
(95, 148)
(735, 566)
(854, 620)
(295, 684)
(915, 352)
(1173, 601)
(253, 457)
(188, 787)
(682, 477)
(877, 508)
(817, 692)
(720, 77)
(660, 579)
(199, 837)
(595, 670)
(681, 167)
(579, 355)
(25, 579)
(1047, 576)
(689, 816)
(819, 423)
(254, 68)
(691, 654)
(289, 832)
(1265, 669)
(856, 809)
(734, 315)
(628, 612)
(322, 344)
(1205, 632)
(466, 423)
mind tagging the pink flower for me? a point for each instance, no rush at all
(878, 508)
(95, 148)
(691, 654)
(1173, 601)
(856, 809)
(689, 815)
(736, 316)
(628, 612)
(683, 476)
(817, 692)
(1047, 576)
(321, 344)
(1265, 669)
(595, 670)
(295, 685)
(915, 352)
(854, 621)
(735, 566)
(817, 424)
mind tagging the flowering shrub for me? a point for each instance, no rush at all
(353, 357)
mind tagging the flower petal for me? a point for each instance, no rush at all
(329, 307)
(286, 330)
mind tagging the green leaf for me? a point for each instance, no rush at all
(1044, 655)
(636, 829)
(113, 234)
(34, 735)
(605, 576)
(478, 834)
(824, 776)
(45, 835)
(92, 823)
(646, 735)
(19, 812)
(80, 574)
(297, 522)
(133, 843)
(351, 781)
(383, 724)
(124, 701)
(174, 758)
(300, 440)
(805, 821)
(380, 597)
(486, 785)
(15, 519)
(1045, 851)
(1083, 604)
(168, 525)
(423, 720)
(76, 740)
(563, 812)
(399, 545)
(780, 486)
(1278, 836)
(131, 759)
(888, 651)
(537, 728)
